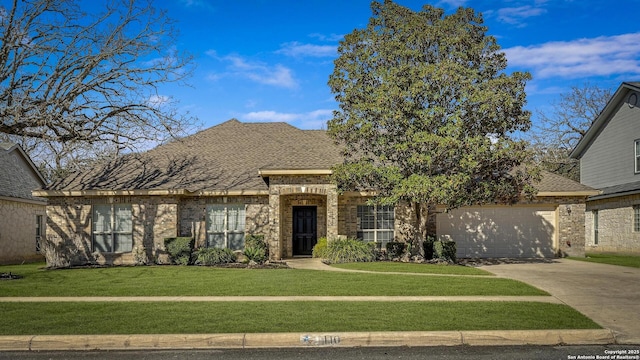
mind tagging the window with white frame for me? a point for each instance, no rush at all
(112, 228)
(39, 231)
(375, 223)
(225, 226)
(636, 218)
(637, 156)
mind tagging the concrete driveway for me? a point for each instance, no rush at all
(608, 294)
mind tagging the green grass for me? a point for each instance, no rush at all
(387, 266)
(207, 281)
(611, 259)
(257, 317)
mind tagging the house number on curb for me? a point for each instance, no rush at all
(316, 340)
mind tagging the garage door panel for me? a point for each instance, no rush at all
(499, 231)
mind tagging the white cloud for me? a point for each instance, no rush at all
(157, 101)
(515, 15)
(601, 56)
(310, 120)
(331, 37)
(298, 50)
(452, 3)
(276, 75)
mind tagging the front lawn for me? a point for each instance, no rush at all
(612, 259)
(257, 317)
(389, 266)
(208, 281)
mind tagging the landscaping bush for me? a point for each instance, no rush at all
(428, 247)
(395, 249)
(256, 249)
(320, 249)
(179, 249)
(214, 256)
(349, 250)
(445, 250)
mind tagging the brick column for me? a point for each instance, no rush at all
(332, 212)
(275, 238)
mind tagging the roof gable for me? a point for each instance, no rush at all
(603, 119)
(18, 175)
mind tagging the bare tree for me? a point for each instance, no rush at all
(74, 79)
(560, 130)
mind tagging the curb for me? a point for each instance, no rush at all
(302, 340)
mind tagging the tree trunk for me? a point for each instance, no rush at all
(422, 215)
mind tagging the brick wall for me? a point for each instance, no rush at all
(18, 231)
(615, 226)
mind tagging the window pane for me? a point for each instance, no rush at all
(123, 221)
(102, 242)
(236, 218)
(101, 218)
(366, 236)
(236, 241)
(215, 240)
(215, 218)
(366, 218)
(385, 236)
(123, 242)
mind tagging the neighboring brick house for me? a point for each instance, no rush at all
(273, 179)
(609, 155)
(22, 215)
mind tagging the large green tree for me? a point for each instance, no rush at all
(427, 112)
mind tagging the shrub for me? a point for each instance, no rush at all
(349, 250)
(428, 247)
(214, 256)
(395, 249)
(256, 249)
(445, 250)
(179, 249)
(320, 249)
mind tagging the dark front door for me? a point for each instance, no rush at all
(305, 226)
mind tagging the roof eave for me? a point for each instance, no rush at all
(274, 172)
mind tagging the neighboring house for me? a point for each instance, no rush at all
(22, 215)
(273, 179)
(609, 155)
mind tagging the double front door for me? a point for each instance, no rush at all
(305, 229)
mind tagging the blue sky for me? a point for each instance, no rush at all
(259, 60)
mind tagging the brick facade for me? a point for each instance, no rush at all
(615, 225)
(18, 231)
(160, 216)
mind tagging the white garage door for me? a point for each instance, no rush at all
(500, 231)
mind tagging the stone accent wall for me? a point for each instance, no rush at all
(18, 231)
(296, 190)
(615, 226)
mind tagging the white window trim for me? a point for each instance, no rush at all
(375, 229)
(112, 215)
(636, 157)
(225, 230)
(39, 232)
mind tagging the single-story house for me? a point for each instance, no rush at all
(273, 179)
(609, 155)
(22, 215)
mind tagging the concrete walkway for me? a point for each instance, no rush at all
(608, 294)
(626, 332)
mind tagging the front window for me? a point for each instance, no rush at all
(637, 156)
(636, 218)
(112, 228)
(375, 223)
(596, 230)
(225, 226)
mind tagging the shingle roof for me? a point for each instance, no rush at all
(18, 175)
(551, 182)
(228, 157)
(224, 157)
